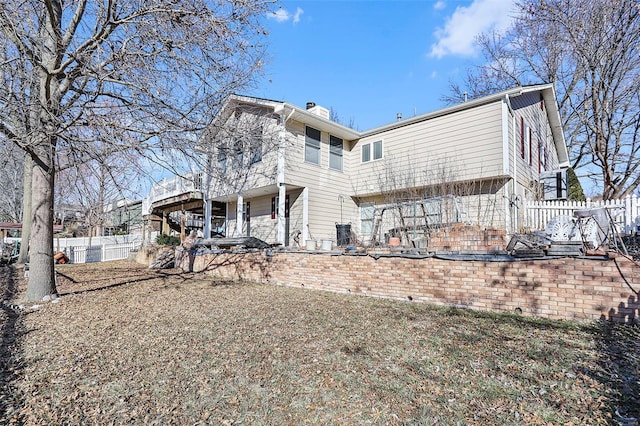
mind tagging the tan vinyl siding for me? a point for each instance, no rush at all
(460, 146)
(459, 154)
(324, 184)
(231, 219)
(528, 112)
(262, 226)
(234, 179)
(295, 216)
(461, 151)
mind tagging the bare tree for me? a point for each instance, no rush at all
(244, 151)
(591, 50)
(11, 160)
(93, 185)
(334, 116)
(27, 173)
(412, 199)
(86, 76)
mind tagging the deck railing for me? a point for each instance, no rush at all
(168, 188)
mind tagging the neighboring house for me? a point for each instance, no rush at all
(123, 217)
(70, 217)
(287, 174)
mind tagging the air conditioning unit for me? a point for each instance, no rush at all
(554, 184)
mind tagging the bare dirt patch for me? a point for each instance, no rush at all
(129, 345)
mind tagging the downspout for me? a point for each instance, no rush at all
(206, 232)
(280, 179)
(512, 199)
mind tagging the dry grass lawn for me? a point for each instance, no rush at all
(128, 345)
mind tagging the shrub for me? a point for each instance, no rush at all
(167, 240)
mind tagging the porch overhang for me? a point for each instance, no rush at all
(188, 201)
(262, 191)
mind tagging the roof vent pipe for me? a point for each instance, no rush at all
(310, 105)
(399, 116)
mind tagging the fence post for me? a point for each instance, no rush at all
(628, 214)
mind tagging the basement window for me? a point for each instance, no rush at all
(367, 215)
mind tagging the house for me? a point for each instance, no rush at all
(287, 174)
(123, 217)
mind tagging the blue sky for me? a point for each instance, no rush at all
(372, 59)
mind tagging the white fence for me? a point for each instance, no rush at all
(95, 249)
(59, 244)
(103, 253)
(625, 212)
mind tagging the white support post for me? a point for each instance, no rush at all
(226, 219)
(305, 215)
(207, 219)
(239, 220)
(282, 189)
(282, 194)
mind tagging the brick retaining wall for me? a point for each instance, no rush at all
(560, 288)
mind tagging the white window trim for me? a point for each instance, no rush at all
(341, 154)
(371, 151)
(319, 147)
(365, 208)
(528, 155)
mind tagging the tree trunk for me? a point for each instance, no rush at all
(41, 265)
(43, 143)
(23, 256)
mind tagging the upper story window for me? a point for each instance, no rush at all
(255, 146)
(255, 156)
(312, 145)
(240, 148)
(522, 153)
(222, 158)
(371, 151)
(238, 151)
(335, 153)
(530, 140)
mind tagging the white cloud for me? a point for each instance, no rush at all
(283, 15)
(439, 5)
(457, 37)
